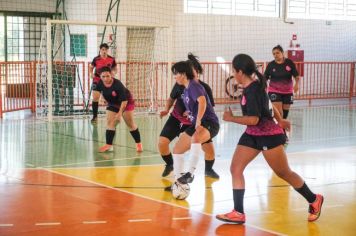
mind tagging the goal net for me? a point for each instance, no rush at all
(142, 53)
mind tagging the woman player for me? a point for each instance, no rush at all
(280, 72)
(100, 61)
(177, 123)
(204, 122)
(262, 134)
(119, 104)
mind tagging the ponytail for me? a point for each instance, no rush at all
(262, 79)
(195, 63)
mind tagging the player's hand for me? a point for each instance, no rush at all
(185, 114)
(296, 88)
(227, 116)
(163, 113)
(285, 124)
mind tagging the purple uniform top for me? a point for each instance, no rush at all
(190, 96)
(255, 102)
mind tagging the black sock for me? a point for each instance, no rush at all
(168, 159)
(306, 193)
(136, 135)
(95, 107)
(239, 199)
(209, 164)
(110, 134)
(285, 114)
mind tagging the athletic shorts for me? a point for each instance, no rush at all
(262, 142)
(212, 127)
(173, 128)
(129, 107)
(96, 81)
(280, 97)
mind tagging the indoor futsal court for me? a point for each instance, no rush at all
(55, 178)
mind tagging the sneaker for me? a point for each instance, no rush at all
(186, 178)
(232, 217)
(94, 120)
(212, 174)
(106, 148)
(139, 147)
(315, 208)
(167, 170)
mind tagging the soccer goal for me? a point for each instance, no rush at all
(63, 84)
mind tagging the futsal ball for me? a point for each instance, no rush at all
(180, 191)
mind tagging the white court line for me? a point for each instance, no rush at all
(6, 225)
(181, 218)
(139, 220)
(116, 159)
(48, 223)
(329, 206)
(95, 222)
(154, 200)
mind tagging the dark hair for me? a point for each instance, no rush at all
(278, 47)
(104, 45)
(246, 64)
(105, 69)
(195, 63)
(183, 67)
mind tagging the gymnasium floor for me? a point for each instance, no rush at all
(53, 181)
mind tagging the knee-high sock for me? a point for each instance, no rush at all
(194, 157)
(95, 107)
(110, 134)
(136, 135)
(178, 165)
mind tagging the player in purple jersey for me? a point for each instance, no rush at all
(262, 134)
(200, 112)
(177, 123)
(280, 72)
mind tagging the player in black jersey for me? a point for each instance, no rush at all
(262, 134)
(120, 104)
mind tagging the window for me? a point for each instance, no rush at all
(21, 34)
(78, 45)
(233, 7)
(322, 9)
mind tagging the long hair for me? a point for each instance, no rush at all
(183, 67)
(246, 64)
(195, 63)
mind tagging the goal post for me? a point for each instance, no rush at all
(142, 51)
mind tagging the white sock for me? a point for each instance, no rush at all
(178, 165)
(194, 156)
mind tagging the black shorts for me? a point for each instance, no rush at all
(212, 127)
(280, 97)
(262, 143)
(94, 86)
(173, 128)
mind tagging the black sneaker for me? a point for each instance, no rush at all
(186, 178)
(167, 170)
(212, 174)
(94, 120)
(168, 188)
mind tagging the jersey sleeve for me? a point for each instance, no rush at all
(93, 63)
(267, 72)
(294, 70)
(209, 92)
(176, 92)
(121, 90)
(196, 91)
